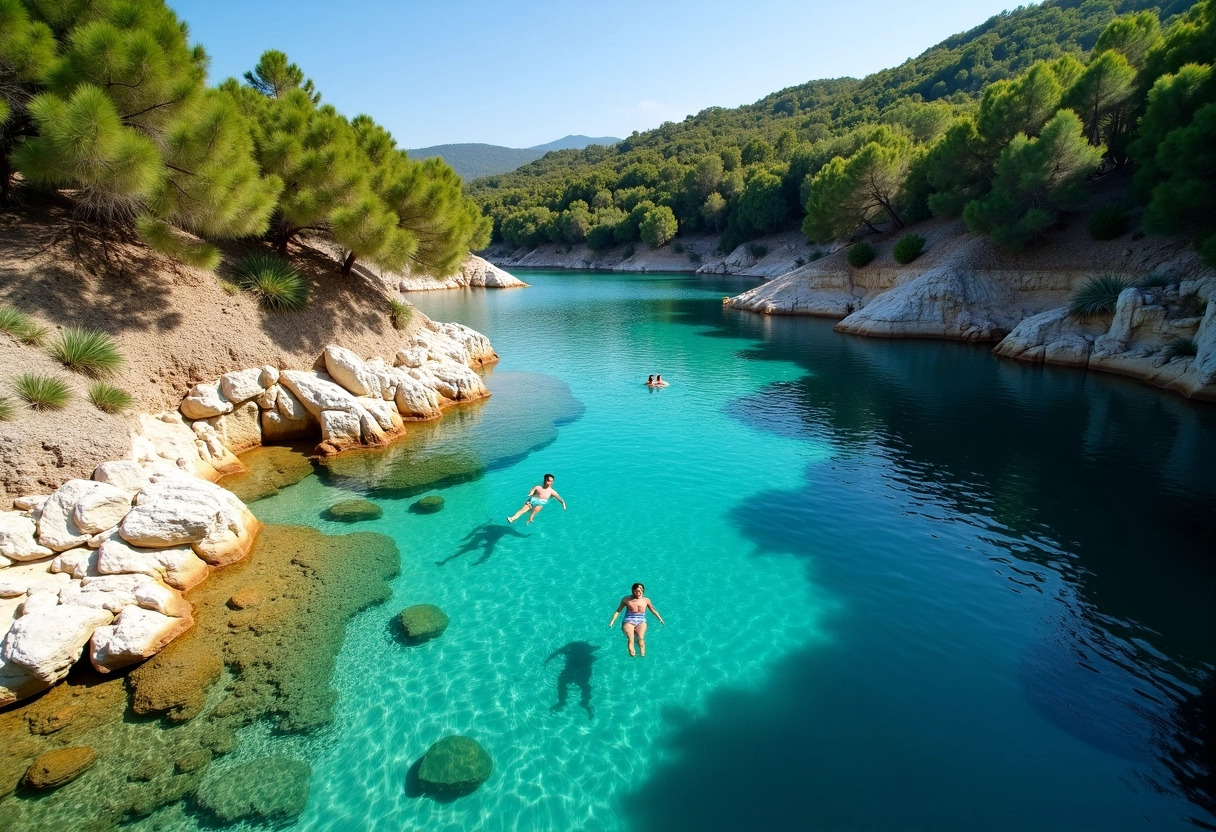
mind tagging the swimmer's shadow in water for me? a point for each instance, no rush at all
(579, 655)
(486, 537)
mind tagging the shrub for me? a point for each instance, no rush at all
(109, 399)
(799, 262)
(629, 251)
(276, 284)
(42, 392)
(815, 255)
(860, 254)
(87, 351)
(677, 247)
(19, 325)
(1181, 346)
(6, 409)
(402, 311)
(1155, 280)
(1109, 222)
(908, 248)
(694, 257)
(757, 250)
(1097, 296)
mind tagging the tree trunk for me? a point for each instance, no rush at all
(347, 264)
(6, 177)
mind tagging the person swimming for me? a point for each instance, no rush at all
(634, 625)
(537, 498)
(650, 380)
(658, 381)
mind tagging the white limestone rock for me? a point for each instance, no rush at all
(101, 508)
(166, 438)
(340, 428)
(1052, 336)
(40, 601)
(32, 503)
(242, 385)
(17, 682)
(269, 376)
(940, 303)
(26, 578)
(239, 430)
(177, 509)
(136, 634)
(413, 357)
(125, 474)
(385, 414)
(318, 392)
(204, 401)
(267, 400)
(78, 563)
(353, 373)
(289, 419)
(177, 566)
(47, 643)
(17, 537)
(57, 529)
(117, 592)
(415, 400)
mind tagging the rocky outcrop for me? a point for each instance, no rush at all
(474, 272)
(104, 561)
(454, 766)
(1150, 336)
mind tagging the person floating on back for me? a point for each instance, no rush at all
(635, 606)
(537, 497)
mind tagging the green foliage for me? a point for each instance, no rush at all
(848, 193)
(19, 325)
(1182, 201)
(109, 399)
(601, 237)
(276, 284)
(658, 227)
(1132, 35)
(1097, 296)
(401, 311)
(87, 351)
(1109, 222)
(1035, 179)
(1101, 95)
(860, 254)
(42, 392)
(6, 409)
(908, 248)
(1180, 346)
(757, 250)
(1156, 280)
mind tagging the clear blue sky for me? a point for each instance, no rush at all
(522, 74)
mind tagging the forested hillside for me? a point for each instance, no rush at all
(1005, 125)
(107, 103)
(473, 161)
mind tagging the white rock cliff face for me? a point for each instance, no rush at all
(104, 561)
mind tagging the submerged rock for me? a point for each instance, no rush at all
(352, 511)
(454, 766)
(270, 469)
(428, 505)
(266, 789)
(422, 622)
(55, 768)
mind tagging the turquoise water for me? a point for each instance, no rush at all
(906, 585)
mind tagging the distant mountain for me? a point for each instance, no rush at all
(472, 161)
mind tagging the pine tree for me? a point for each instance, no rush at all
(27, 48)
(1100, 97)
(848, 193)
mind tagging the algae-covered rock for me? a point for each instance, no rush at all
(428, 505)
(175, 681)
(270, 469)
(266, 789)
(422, 622)
(352, 511)
(454, 766)
(55, 768)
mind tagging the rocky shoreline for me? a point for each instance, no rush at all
(104, 561)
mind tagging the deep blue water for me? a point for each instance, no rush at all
(907, 585)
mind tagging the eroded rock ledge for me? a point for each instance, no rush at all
(103, 562)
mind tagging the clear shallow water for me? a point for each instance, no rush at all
(907, 586)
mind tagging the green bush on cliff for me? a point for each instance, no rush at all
(87, 351)
(908, 248)
(6, 409)
(276, 284)
(17, 324)
(1109, 222)
(109, 399)
(42, 392)
(860, 254)
(401, 312)
(1097, 296)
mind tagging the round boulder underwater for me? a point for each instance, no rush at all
(428, 505)
(453, 767)
(352, 511)
(422, 622)
(62, 765)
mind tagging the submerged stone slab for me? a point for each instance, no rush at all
(428, 505)
(454, 766)
(353, 511)
(262, 790)
(56, 768)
